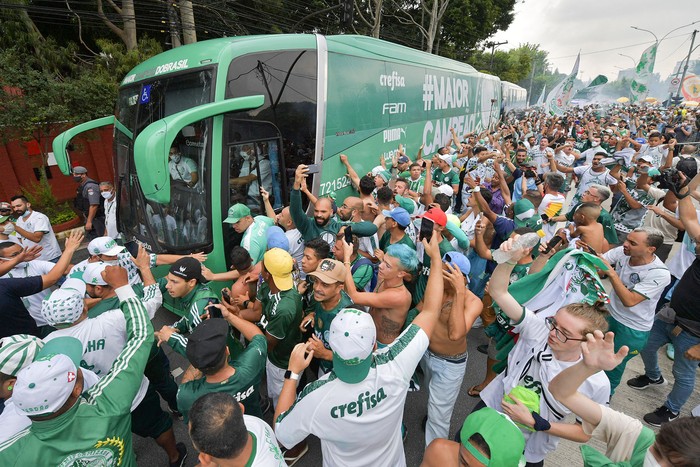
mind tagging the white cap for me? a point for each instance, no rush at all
(352, 338)
(104, 246)
(93, 274)
(446, 157)
(44, 386)
(63, 307)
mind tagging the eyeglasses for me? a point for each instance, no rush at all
(552, 324)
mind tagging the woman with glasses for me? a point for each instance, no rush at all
(544, 348)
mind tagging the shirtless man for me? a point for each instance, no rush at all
(390, 301)
(445, 360)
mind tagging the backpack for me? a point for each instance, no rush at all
(372, 284)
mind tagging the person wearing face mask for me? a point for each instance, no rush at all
(35, 267)
(89, 202)
(34, 228)
(182, 169)
(110, 206)
(7, 228)
(628, 442)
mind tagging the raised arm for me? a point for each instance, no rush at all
(688, 215)
(354, 178)
(500, 279)
(432, 299)
(269, 210)
(598, 355)
(72, 243)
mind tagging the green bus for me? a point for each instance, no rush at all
(239, 113)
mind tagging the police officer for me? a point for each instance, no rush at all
(88, 201)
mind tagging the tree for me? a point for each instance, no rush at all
(127, 13)
(36, 103)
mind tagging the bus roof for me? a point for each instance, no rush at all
(213, 51)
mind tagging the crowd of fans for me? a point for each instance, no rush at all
(553, 233)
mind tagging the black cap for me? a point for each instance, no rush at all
(207, 343)
(187, 268)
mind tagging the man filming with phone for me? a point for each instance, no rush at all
(433, 223)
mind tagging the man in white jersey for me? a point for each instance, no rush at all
(544, 348)
(638, 279)
(596, 174)
(225, 437)
(35, 229)
(356, 409)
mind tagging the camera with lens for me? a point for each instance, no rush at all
(667, 178)
(529, 173)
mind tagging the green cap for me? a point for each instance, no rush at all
(3, 218)
(528, 397)
(407, 203)
(236, 213)
(523, 210)
(505, 440)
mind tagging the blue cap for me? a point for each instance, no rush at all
(454, 258)
(641, 140)
(404, 159)
(276, 238)
(400, 215)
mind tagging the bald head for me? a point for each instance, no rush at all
(351, 209)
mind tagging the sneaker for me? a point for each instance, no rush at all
(292, 456)
(670, 351)
(643, 381)
(182, 449)
(661, 415)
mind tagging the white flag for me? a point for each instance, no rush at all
(540, 101)
(559, 97)
(639, 86)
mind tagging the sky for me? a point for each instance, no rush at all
(601, 30)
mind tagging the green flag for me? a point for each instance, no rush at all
(639, 86)
(589, 92)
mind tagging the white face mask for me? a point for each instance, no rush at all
(107, 194)
(595, 143)
(650, 460)
(9, 228)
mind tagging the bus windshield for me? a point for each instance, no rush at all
(182, 225)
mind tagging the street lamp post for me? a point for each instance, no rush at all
(633, 60)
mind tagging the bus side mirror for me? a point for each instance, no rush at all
(61, 142)
(152, 145)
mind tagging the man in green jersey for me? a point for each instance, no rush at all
(187, 292)
(395, 221)
(207, 351)
(277, 309)
(361, 267)
(68, 427)
(328, 299)
(323, 224)
(443, 173)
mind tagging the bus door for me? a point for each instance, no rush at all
(255, 160)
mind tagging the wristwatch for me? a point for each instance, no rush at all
(476, 189)
(289, 374)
